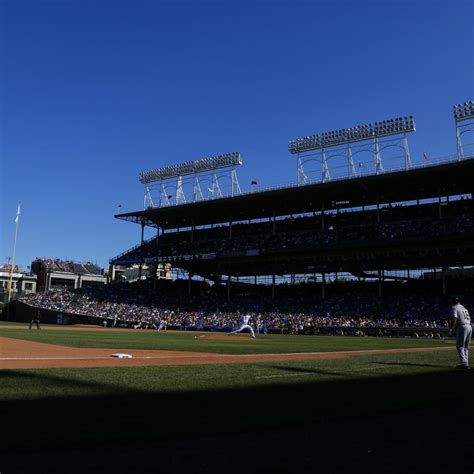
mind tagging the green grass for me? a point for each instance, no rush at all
(80, 408)
(190, 341)
(89, 405)
(171, 379)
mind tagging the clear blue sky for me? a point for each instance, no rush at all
(93, 92)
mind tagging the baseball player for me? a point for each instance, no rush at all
(35, 319)
(244, 325)
(163, 325)
(461, 320)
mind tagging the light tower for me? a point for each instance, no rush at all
(158, 182)
(374, 138)
(464, 119)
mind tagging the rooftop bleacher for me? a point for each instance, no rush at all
(67, 266)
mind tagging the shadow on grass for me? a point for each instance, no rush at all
(112, 413)
(306, 371)
(411, 364)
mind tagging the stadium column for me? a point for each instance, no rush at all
(189, 283)
(274, 222)
(380, 283)
(443, 280)
(141, 243)
(230, 228)
(378, 210)
(228, 288)
(192, 230)
(273, 287)
(322, 216)
(323, 286)
(440, 213)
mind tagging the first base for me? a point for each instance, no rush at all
(122, 356)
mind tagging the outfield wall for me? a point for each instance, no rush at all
(24, 313)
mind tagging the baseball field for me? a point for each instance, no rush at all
(207, 402)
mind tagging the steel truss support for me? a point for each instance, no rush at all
(147, 199)
(235, 183)
(215, 188)
(325, 169)
(301, 176)
(197, 193)
(407, 153)
(377, 157)
(459, 143)
(180, 197)
(164, 199)
(462, 127)
(350, 161)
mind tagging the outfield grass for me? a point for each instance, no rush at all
(191, 341)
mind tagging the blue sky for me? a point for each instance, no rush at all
(93, 92)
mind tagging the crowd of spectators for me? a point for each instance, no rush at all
(349, 307)
(334, 229)
(6, 267)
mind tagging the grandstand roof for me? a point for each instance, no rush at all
(451, 178)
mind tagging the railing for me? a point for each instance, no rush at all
(132, 249)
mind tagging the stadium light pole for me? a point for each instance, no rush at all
(464, 120)
(12, 261)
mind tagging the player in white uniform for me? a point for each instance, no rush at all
(244, 325)
(163, 325)
(462, 322)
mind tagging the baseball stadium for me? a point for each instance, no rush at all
(299, 328)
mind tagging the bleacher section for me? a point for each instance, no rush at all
(56, 273)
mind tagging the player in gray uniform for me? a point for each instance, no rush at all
(462, 322)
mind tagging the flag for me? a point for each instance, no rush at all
(253, 182)
(425, 156)
(17, 218)
(169, 196)
(361, 165)
(119, 205)
(210, 190)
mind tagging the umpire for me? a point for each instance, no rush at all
(461, 320)
(36, 319)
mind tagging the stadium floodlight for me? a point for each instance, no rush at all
(463, 111)
(191, 167)
(383, 128)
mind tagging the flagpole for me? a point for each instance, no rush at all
(12, 261)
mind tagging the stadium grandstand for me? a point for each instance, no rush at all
(378, 244)
(406, 218)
